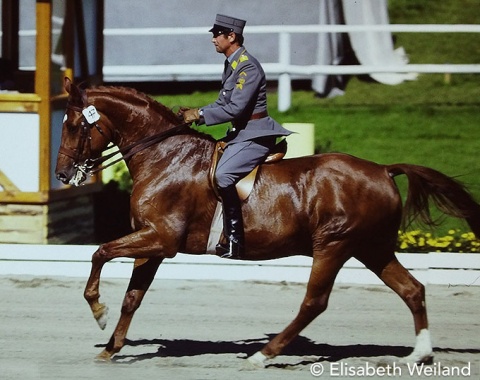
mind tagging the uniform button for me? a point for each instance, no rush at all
(224, 93)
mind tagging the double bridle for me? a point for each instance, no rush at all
(85, 165)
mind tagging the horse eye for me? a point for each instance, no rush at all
(71, 127)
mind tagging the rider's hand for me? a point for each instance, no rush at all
(191, 115)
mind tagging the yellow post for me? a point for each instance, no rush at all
(42, 87)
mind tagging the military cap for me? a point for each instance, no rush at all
(229, 24)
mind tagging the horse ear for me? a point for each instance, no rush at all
(67, 84)
(76, 93)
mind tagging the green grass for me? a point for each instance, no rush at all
(437, 47)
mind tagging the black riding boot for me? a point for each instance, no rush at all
(233, 224)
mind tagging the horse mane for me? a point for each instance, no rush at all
(163, 110)
(166, 112)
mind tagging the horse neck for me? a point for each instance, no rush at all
(180, 157)
(131, 115)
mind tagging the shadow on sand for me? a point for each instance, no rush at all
(243, 348)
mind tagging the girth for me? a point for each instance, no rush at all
(245, 185)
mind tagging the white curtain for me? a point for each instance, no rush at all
(374, 48)
(370, 48)
(330, 49)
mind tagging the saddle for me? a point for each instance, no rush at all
(245, 185)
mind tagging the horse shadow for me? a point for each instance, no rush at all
(301, 347)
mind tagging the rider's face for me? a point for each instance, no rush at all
(224, 43)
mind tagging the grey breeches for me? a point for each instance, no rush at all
(240, 158)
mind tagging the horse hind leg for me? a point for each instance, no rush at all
(142, 276)
(399, 279)
(324, 270)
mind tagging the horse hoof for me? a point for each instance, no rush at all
(422, 353)
(104, 357)
(257, 360)
(102, 317)
(416, 358)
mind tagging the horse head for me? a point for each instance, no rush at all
(85, 134)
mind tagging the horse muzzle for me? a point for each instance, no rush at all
(76, 179)
(62, 177)
(72, 175)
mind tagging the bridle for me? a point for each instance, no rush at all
(84, 164)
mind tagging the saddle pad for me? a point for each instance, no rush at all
(216, 229)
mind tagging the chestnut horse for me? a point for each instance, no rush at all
(330, 207)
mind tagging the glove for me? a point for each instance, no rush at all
(191, 115)
(180, 112)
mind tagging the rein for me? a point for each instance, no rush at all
(129, 150)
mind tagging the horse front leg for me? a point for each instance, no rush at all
(142, 244)
(324, 270)
(143, 274)
(92, 292)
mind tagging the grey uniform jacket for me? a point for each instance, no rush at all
(243, 94)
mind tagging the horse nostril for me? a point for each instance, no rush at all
(62, 177)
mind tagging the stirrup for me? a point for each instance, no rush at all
(229, 250)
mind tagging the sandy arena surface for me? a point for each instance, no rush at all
(205, 330)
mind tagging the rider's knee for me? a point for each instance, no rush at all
(224, 180)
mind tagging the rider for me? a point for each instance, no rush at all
(242, 101)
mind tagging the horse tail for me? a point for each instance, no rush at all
(448, 195)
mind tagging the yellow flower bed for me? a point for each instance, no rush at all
(456, 241)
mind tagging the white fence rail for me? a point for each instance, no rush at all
(284, 70)
(452, 269)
